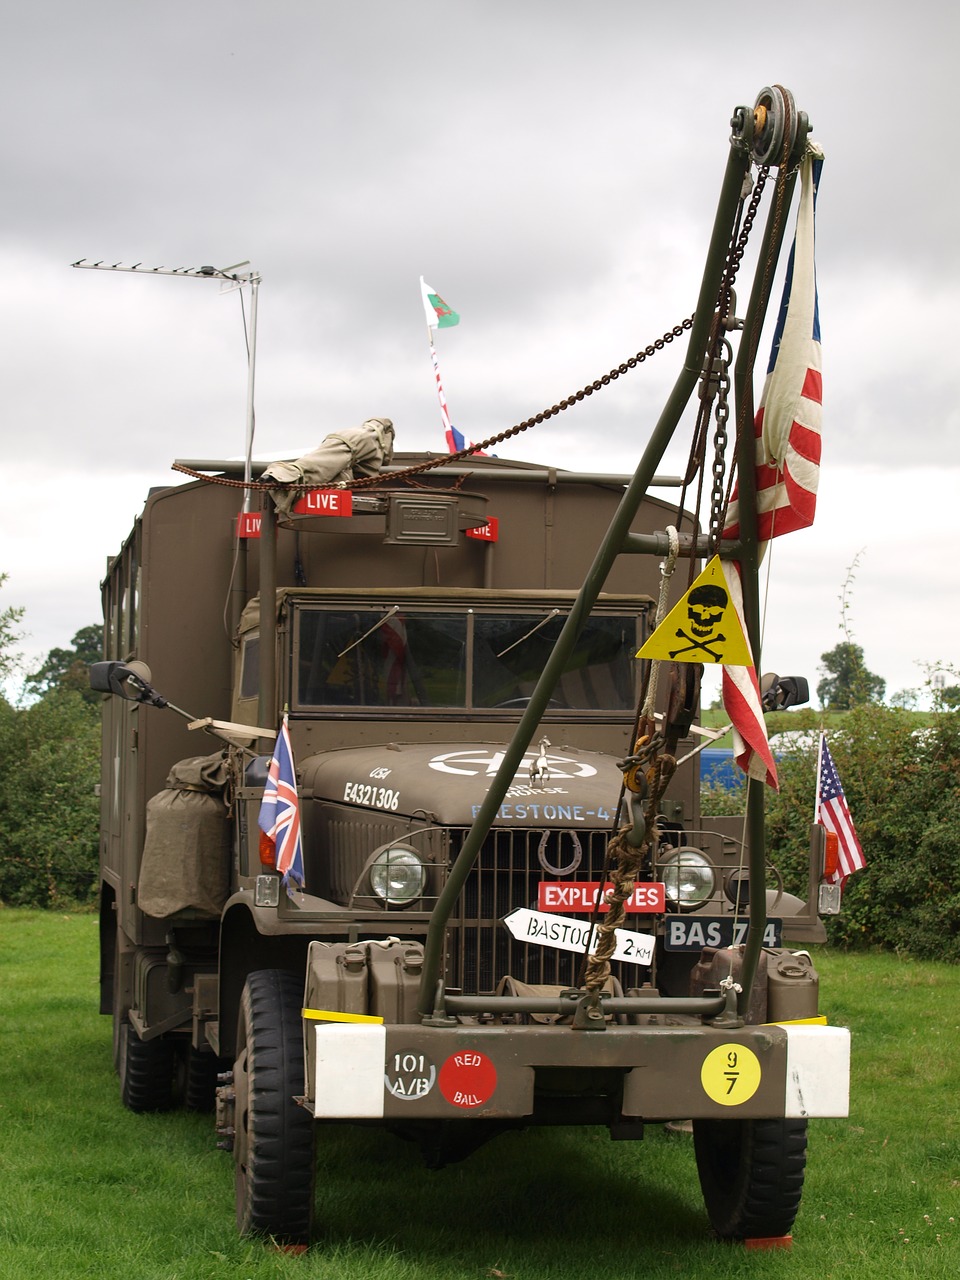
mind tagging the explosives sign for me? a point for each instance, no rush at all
(583, 896)
(704, 626)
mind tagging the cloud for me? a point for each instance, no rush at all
(553, 170)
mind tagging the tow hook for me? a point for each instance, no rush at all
(226, 1117)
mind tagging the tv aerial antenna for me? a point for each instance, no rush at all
(235, 277)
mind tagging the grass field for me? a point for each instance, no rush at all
(88, 1189)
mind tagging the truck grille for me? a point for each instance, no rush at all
(480, 950)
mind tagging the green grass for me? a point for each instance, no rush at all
(88, 1189)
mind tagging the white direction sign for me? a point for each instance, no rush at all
(548, 930)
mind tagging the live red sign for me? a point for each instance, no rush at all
(325, 502)
(581, 896)
(488, 532)
(248, 524)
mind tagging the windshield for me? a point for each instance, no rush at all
(395, 657)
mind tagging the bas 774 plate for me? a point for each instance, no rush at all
(690, 933)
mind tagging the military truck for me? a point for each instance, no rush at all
(483, 776)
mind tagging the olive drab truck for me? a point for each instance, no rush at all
(506, 908)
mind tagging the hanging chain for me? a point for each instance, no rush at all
(716, 372)
(445, 459)
(718, 497)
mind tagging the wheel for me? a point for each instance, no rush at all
(274, 1143)
(197, 1078)
(751, 1174)
(146, 1071)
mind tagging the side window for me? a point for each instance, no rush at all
(250, 667)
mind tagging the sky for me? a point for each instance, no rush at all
(552, 169)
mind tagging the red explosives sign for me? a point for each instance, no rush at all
(325, 502)
(580, 896)
(489, 532)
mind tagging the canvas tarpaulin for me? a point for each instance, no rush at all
(186, 854)
(340, 457)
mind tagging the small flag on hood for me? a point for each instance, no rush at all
(279, 818)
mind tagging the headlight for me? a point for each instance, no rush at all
(397, 876)
(688, 879)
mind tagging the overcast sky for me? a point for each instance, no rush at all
(552, 169)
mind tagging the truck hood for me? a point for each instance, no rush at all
(448, 782)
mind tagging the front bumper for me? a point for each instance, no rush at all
(408, 1073)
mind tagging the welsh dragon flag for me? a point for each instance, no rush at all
(439, 315)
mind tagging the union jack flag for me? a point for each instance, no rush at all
(788, 421)
(280, 812)
(832, 813)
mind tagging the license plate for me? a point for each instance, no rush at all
(690, 933)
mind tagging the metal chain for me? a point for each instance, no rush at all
(719, 360)
(736, 253)
(443, 460)
(718, 497)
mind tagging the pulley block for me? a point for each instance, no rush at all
(775, 120)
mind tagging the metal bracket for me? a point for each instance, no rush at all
(589, 1015)
(439, 1017)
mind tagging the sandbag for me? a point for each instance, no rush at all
(186, 854)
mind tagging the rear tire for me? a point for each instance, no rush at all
(274, 1145)
(751, 1174)
(197, 1078)
(146, 1071)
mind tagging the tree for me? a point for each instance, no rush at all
(9, 636)
(848, 683)
(48, 804)
(67, 668)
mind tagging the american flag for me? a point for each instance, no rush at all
(280, 812)
(832, 813)
(788, 421)
(741, 700)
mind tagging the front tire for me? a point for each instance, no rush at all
(751, 1174)
(274, 1146)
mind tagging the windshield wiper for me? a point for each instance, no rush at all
(376, 627)
(542, 623)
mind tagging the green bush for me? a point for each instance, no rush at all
(49, 811)
(902, 786)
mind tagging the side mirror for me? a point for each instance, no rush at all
(779, 692)
(129, 680)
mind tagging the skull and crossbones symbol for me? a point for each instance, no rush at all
(705, 606)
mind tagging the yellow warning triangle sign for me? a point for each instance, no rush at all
(704, 626)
